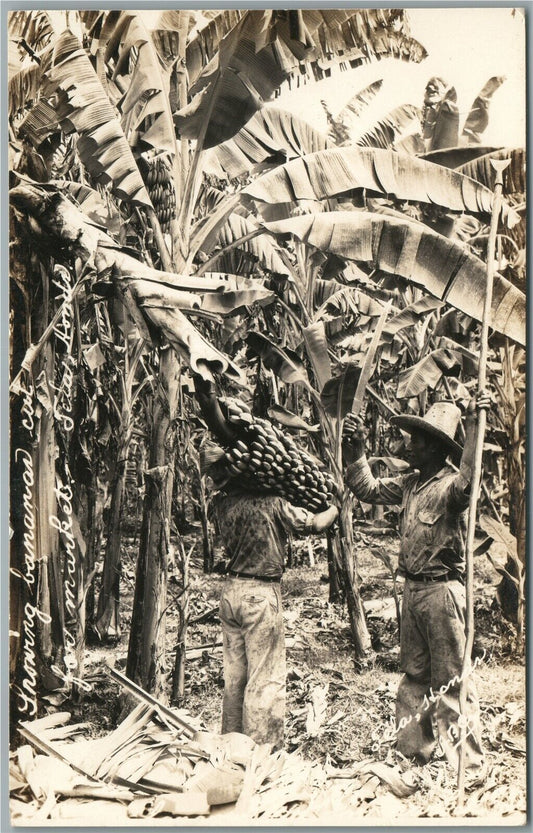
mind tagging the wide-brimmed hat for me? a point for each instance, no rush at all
(441, 421)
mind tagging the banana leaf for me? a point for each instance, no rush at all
(250, 65)
(316, 346)
(398, 127)
(350, 301)
(410, 315)
(265, 251)
(382, 43)
(204, 45)
(66, 229)
(236, 73)
(442, 267)
(144, 106)
(500, 533)
(360, 100)
(287, 418)
(24, 86)
(271, 135)
(478, 118)
(428, 372)
(331, 172)
(456, 157)
(284, 362)
(337, 395)
(172, 25)
(83, 106)
(514, 176)
(33, 26)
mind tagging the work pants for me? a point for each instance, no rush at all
(432, 644)
(254, 660)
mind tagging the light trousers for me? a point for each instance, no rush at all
(254, 660)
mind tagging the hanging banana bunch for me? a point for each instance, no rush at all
(268, 461)
(158, 180)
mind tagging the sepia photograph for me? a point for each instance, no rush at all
(267, 417)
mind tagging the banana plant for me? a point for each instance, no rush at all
(216, 59)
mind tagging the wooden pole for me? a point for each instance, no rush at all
(499, 166)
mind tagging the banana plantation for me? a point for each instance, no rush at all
(174, 229)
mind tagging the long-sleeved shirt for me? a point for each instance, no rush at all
(432, 515)
(254, 531)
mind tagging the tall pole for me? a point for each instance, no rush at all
(499, 166)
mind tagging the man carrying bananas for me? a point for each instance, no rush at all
(433, 498)
(254, 529)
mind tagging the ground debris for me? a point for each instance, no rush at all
(150, 767)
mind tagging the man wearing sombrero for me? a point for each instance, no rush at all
(433, 499)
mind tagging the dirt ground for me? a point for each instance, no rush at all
(355, 700)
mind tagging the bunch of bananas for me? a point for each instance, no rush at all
(269, 461)
(158, 179)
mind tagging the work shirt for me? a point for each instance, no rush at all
(254, 531)
(432, 521)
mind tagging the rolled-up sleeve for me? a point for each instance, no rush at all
(295, 518)
(366, 487)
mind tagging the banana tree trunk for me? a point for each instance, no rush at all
(511, 596)
(146, 649)
(178, 679)
(343, 546)
(146, 643)
(93, 534)
(108, 616)
(208, 551)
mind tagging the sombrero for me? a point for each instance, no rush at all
(441, 421)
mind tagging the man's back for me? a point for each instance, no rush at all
(254, 530)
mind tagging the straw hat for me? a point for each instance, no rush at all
(441, 421)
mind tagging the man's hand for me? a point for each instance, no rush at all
(478, 401)
(353, 439)
(204, 387)
(323, 520)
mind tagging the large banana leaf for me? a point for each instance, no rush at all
(236, 227)
(478, 118)
(456, 157)
(24, 86)
(171, 27)
(441, 266)
(252, 62)
(83, 106)
(66, 231)
(33, 26)
(338, 393)
(354, 37)
(271, 135)
(428, 372)
(128, 47)
(331, 172)
(400, 127)
(514, 176)
(204, 45)
(265, 48)
(360, 100)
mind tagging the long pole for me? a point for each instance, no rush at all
(499, 166)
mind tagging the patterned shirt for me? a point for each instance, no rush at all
(432, 515)
(254, 531)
